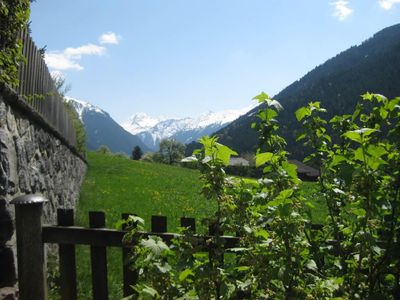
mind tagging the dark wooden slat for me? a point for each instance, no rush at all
(214, 254)
(190, 223)
(159, 224)
(65, 217)
(109, 237)
(130, 276)
(213, 229)
(98, 259)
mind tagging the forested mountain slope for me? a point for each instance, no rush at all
(373, 66)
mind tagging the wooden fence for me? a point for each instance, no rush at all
(32, 235)
(37, 87)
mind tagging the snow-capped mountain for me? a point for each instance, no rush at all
(101, 129)
(152, 130)
(83, 107)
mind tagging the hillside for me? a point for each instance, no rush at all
(101, 129)
(373, 66)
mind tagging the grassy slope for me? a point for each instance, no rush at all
(116, 185)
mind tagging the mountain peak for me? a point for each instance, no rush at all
(140, 122)
(82, 107)
(153, 129)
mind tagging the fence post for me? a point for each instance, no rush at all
(98, 259)
(130, 276)
(66, 254)
(30, 250)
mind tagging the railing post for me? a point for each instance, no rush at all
(30, 249)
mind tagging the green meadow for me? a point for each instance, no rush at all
(116, 185)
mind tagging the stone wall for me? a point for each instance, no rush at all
(34, 159)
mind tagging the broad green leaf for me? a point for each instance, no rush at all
(291, 169)
(267, 115)
(338, 191)
(119, 224)
(262, 158)
(354, 136)
(275, 104)
(184, 274)
(376, 150)
(190, 159)
(286, 193)
(337, 159)
(163, 268)
(136, 219)
(374, 162)
(242, 268)
(390, 278)
(383, 112)
(359, 154)
(212, 149)
(150, 291)
(392, 104)
(224, 153)
(365, 131)
(367, 96)
(261, 97)
(282, 198)
(360, 212)
(300, 137)
(357, 135)
(311, 265)
(247, 229)
(262, 233)
(302, 112)
(155, 244)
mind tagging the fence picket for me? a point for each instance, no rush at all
(98, 259)
(28, 218)
(190, 223)
(65, 217)
(158, 224)
(35, 80)
(130, 276)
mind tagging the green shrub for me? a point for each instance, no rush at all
(354, 255)
(14, 16)
(79, 128)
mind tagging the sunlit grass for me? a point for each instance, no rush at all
(117, 185)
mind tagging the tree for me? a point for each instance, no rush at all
(137, 153)
(171, 151)
(60, 83)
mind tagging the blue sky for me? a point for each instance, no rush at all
(185, 57)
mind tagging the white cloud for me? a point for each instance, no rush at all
(68, 58)
(388, 4)
(342, 10)
(88, 49)
(109, 38)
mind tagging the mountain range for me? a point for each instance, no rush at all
(145, 131)
(152, 130)
(101, 129)
(373, 66)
